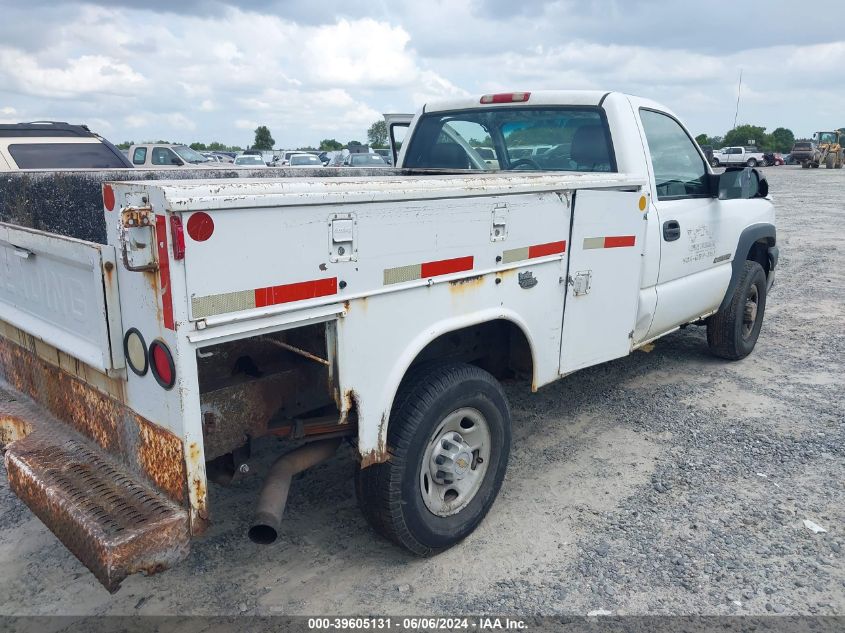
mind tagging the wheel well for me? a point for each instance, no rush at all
(499, 347)
(759, 252)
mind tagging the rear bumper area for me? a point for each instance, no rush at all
(113, 523)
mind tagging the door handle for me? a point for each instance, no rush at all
(671, 230)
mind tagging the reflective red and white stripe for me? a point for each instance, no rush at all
(610, 241)
(210, 305)
(532, 252)
(426, 270)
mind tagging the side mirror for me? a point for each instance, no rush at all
(742, 184)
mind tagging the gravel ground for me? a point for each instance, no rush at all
(668, 482)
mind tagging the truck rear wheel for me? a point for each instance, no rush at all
(751, 162)
(733, 331)
(830, 161)
(449, 440)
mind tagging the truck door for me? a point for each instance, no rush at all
(694, 256)
(603, 284)
(397, 128)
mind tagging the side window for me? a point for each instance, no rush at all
(139, 156)
(165, 156)
(679, 170)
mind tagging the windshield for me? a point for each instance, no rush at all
(371, 160)
(827, 137)
(249, 159)
(189, 155)
(554, 139)
(307, 159)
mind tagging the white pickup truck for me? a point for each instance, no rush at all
(380, 309)
(736, 156)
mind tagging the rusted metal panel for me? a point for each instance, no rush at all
(145, 448)
(114, 524)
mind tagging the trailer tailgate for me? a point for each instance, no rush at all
(62, 291)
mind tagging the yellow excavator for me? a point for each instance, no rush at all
(830, 147)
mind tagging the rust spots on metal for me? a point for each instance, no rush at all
(459, 286)
(198, 489)
(379, 454)
(142, 446)
(160, 456)
(349, 410)
(113, 523)
(12, 429)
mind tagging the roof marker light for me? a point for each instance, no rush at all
(506, 97)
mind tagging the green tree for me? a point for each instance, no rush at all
(330, 145)
(354, 143)
(702, 139)
(377, 134)
(741, 135)
(200, 147)
(126, 145)
(263, 140)
(782, 139)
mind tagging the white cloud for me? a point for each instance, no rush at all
(80, 75)
(214, 74)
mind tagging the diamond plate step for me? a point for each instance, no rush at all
(112, 522)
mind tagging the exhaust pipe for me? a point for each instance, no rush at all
(274, 492)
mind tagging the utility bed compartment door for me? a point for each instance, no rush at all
(63, 291)
(603, 283)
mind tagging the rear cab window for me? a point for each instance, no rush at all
(139, 156)
(679, 169)
(64, 156)
(546, 138)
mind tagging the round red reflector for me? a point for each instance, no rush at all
(200, 226)
(161, 362)
(108, 197)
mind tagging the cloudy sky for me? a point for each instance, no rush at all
(310, 69)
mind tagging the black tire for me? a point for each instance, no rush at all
(751, 162)
(829, 162)
(729, 333)
(714, 162)
(389, 493)
(805, 165)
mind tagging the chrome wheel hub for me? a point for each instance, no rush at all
(455, 462)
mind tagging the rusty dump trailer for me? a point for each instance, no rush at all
(103, 460)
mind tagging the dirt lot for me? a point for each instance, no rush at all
(668, 482)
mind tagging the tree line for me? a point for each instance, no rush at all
(264, 141)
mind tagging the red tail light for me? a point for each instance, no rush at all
(506, 97)
(178, 237)
(161, 363)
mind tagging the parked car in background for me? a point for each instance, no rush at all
(304, 160)
(56, 145)
(214, 158)
(250, 160)
(807, 153)
(489, 156)
(166, 155)
(385, 154)
(736, 156)
(364, 160)
(772, 159)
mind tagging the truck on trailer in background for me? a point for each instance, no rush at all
(384, 310)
